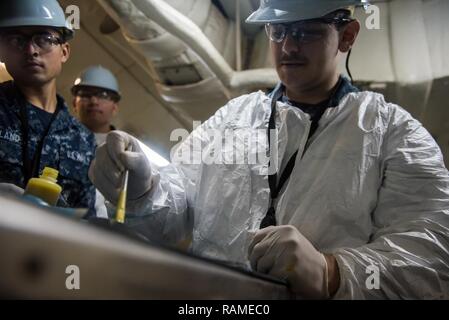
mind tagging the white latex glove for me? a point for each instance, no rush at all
(283, 252)
(120, 152)
(10, 188)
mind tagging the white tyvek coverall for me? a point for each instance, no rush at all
(371, 188)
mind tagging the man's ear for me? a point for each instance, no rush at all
(65, 52)
(348, 35)
(75, 109)
(115, 109)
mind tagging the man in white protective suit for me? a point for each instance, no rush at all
(349, 183)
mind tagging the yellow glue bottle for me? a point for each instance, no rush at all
(45, 187)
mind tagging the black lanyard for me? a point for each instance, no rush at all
(270, 217)
(31, 164)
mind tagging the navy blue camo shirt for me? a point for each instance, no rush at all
(69, 148)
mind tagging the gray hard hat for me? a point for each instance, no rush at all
(34, 13)
(285, 11)
(99, 77)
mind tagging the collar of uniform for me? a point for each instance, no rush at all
(14, 97)
(61, 121)
(344, 87)
(63, 118)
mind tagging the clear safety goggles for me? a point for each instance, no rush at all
(88, 94)
(44, 42)
(302, 31)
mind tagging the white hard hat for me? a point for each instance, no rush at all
(34, 13)
(285, 11)
(99, 77)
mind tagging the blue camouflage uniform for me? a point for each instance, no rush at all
(69, 147)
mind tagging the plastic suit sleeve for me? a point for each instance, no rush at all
(408, 255)
(165, 214)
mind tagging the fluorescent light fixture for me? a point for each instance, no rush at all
(153, 156)
(4, 75)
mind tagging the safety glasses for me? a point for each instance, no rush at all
(302, 31)
(86, 95)
(44, 42)
(299, 31)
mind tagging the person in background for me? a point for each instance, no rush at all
(96, 97)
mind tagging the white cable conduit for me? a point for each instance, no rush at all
(184, 29)
(184, 119)
(238, 38)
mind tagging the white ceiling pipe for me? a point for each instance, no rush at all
(254, 79)
(238, 37)
(184, 29)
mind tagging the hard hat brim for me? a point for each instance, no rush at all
(284, 14)
(32, 22)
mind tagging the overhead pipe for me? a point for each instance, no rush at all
(238, 37)
(187, 31)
